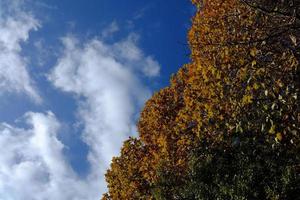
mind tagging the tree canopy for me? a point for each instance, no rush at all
(228, 125)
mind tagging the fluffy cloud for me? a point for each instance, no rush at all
(32, 164)
(14, 29)
(129, 53)
(106, 77)
(105, 80)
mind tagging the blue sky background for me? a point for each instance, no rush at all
(153, 32)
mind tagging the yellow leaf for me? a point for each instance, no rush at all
(226, 51)
(210, 114)
(255, 86)
(272, 129)
(242, 61)
(247, 99)
(260, 71)
(279, 136)
(243, 73)
(253, 52)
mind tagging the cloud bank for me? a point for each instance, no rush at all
(105, 81)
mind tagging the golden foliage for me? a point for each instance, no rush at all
(126, 176)
(243, 79)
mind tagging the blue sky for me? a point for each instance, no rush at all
(74, 76)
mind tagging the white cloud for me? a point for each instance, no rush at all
(129, 53)
(106, 77)
(151, 67)
(14, 29)
(32, 164)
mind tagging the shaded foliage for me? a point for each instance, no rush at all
(247, 170)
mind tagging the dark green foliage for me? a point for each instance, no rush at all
(246, 169)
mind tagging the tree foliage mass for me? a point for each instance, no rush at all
(228, 125)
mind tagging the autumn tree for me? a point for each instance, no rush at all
(246, 61)
(234, 106)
